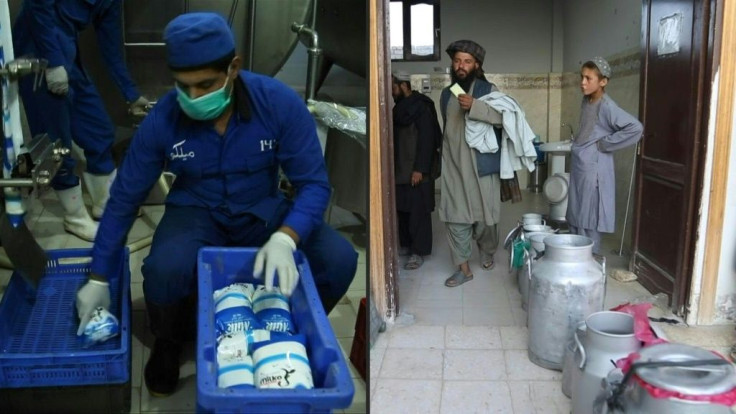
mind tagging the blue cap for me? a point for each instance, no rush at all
(197, 39)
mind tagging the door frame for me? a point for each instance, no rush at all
(383, 257)
(724, 65)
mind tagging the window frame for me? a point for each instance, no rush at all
(407, 56)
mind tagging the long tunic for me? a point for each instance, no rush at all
(465, 197)
(415, 139)
(591, 199)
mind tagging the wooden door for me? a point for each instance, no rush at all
(676, 64)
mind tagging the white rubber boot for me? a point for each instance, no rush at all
(98, 187)
(77, 220)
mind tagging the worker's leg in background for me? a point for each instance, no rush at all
(93, 131)
(52, 114)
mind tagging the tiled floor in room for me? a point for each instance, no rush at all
(464, 349)
(44, 220)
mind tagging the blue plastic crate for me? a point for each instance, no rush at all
(39, 346)
(219, 267)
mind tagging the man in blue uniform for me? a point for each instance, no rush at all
(68, 106)
(224, 133)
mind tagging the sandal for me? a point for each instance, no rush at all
(415, 261)
(457, 279)
(487, 262)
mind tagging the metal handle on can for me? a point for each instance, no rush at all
(579, 346)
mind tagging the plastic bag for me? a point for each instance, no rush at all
(102, 326)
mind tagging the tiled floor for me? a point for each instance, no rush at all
(464, 349)
(44, 219)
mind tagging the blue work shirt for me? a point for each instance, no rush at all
(49, 29)
(237, 173)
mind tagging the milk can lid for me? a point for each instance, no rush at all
(697, 380)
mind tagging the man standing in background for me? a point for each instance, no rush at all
(417, 137)
(470, 202)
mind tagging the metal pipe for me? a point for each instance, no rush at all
(251, 33)
(572, 134)
(145, 44)
(314, 52)
(16, 182)
(628, 201)
(313, 23)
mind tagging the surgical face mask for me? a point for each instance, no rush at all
(206, 107)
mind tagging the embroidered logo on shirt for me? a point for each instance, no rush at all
(267, 143)
(179, 152)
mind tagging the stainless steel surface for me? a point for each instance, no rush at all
(538, 228)
(609, 336)
(567, 285)
(347, 170)
(17, 182)
(568, 362)
(315, 54)
(524, 275)
(637, 400)
(341, 25)
(144, 21)
(25, 66)
(701, 380)
(36, 165)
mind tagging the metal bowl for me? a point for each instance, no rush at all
(542, 228)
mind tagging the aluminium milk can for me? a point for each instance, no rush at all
(567, 285)
(524, 276)
(609, 336)
(568, 361)
(677, 387)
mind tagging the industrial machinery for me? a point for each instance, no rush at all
(28, 167)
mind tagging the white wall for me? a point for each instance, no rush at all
(516, 34)
(726, 291)
(599, 28)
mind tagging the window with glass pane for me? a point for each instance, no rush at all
(415, 30)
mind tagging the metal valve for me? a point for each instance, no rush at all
(25, 66)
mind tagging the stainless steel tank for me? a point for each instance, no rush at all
(263, 38)
(567, 285)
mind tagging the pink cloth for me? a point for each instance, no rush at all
(642, 329)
